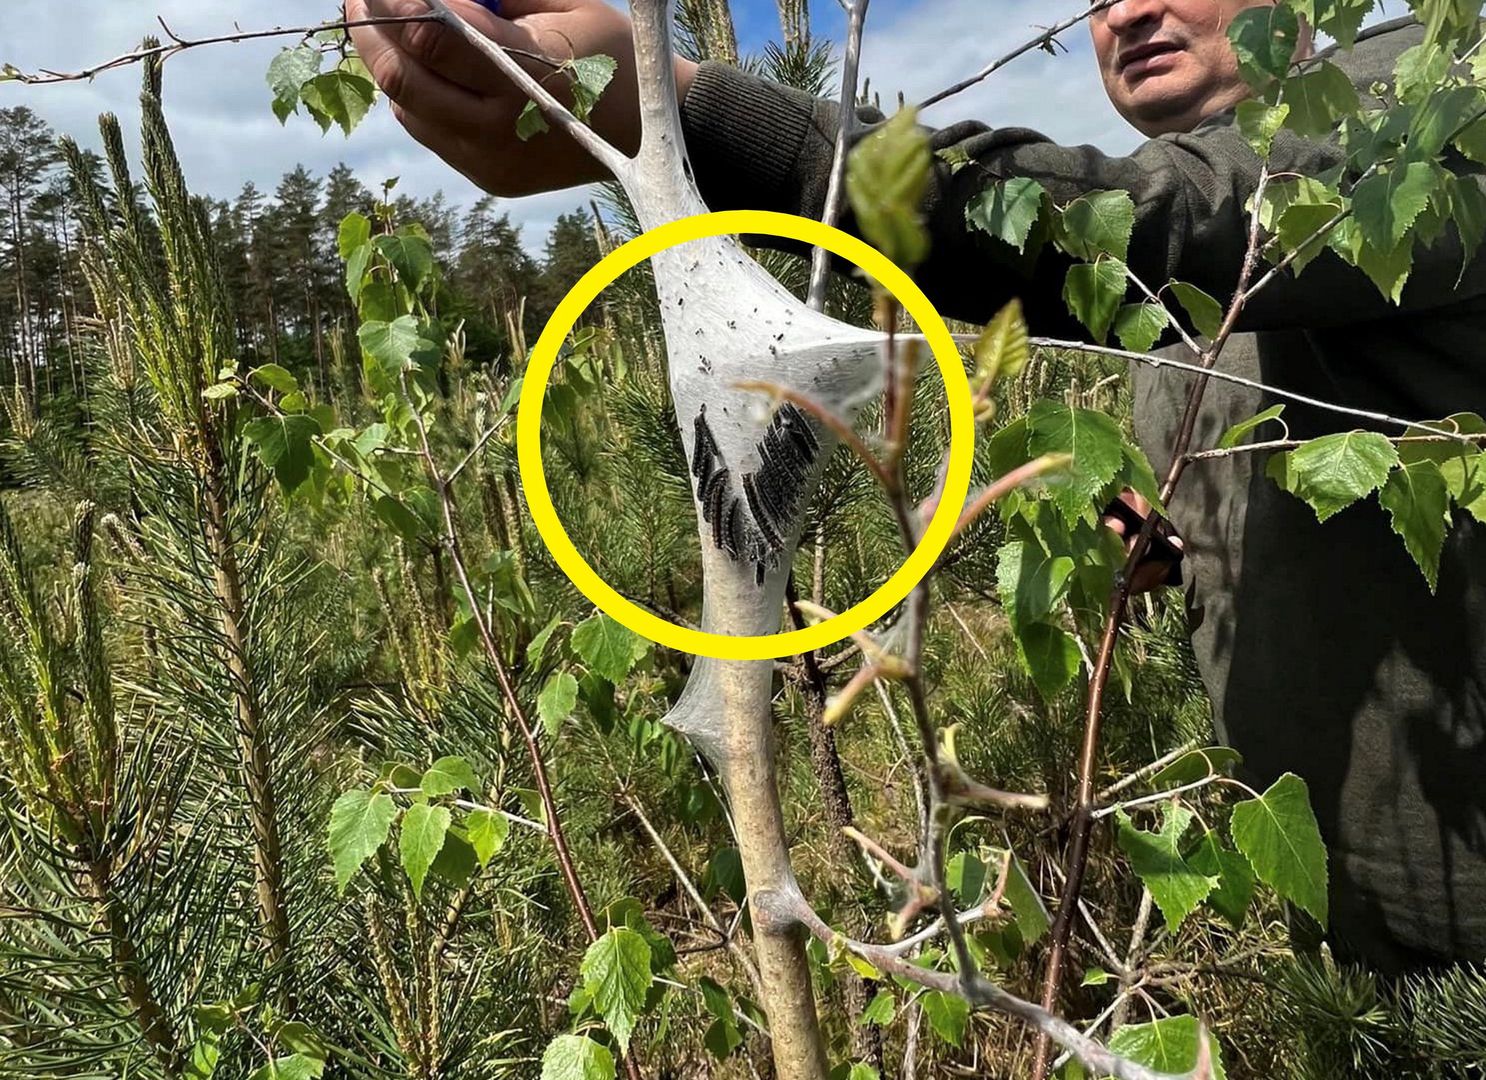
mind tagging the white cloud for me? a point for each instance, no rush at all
(217, 101)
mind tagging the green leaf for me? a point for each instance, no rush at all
(292, 1067)
(424, 828)
(965, 874)
(287, 72)
(284, 445)
(275, 378)
(1096, 224)
(557, 701)
(1168, 1045)
(1386, 205)
(1418, 502)
(410, 254)
(1139, 326)
(863, 1071)
(1195, 765)
(206, 1051)
(886, 178)
(1031, 582)
(1279, 835)
(455, 862)
(1051, 657)
(354, 233)
(881, 1009)
(1340, 19)
(530, 122)
(573, 1057)
(1094, 293)
(725, 873)
(1090, 438)
(1241, 430)
(1003, 348)
(1259, 123)
(358, 826)
(1298, 211)
(591, 77)
(1334, 471)
(448, 775)
(391, 347)
(487, 831)
(1439, 116)
(405, 523)
(616, 972)
(537, 648)
(1095, 977)
(1264, 40)
(1235, 889)
(1008, 210)
(1137, 475)
(1205, 313)
(1032, 919)
(607, 647)
(1157, 860)
(220, 391)
(1317, 99)
(339, 97)
(722, 1038)
(1468, 209)
(948, 1014)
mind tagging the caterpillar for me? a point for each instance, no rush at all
(754, 527)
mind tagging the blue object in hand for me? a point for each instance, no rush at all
(492, 6)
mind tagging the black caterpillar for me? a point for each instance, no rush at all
(752, 527)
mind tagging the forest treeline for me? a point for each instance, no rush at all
(278, 253)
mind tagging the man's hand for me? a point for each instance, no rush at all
(452, 99)
(1162, 562)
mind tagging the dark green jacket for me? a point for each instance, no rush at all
(1323, 650)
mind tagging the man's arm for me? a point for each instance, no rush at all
(757, 144)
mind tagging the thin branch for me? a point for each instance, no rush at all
(966, 983)
(178, 45)
(1253, 384)
(689, 887)
(1045, 41)
(820, 264)
(1294, 444)
(1083, 821)
(566, 866)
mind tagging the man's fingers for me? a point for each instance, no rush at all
(446, 51)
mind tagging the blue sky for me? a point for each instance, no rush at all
(217, 100)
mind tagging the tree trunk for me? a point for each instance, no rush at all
(743, 694)
(113, 918)
(256, 759)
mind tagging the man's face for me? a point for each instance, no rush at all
(1167, 64)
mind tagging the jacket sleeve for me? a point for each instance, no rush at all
(760, 145)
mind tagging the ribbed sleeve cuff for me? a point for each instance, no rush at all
(753, 143)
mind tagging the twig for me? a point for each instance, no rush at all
(1083, 821)
(967, 983)
(820, 261)
(1293, 444)
(1252, 384)
(1160, 796)
(555, 834)
(177, 44)
(1043, 41)
(689, 887)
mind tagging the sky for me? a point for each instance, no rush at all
(217, 101)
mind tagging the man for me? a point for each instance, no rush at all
(1323, 650)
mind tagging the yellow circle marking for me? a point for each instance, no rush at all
(728, 646)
